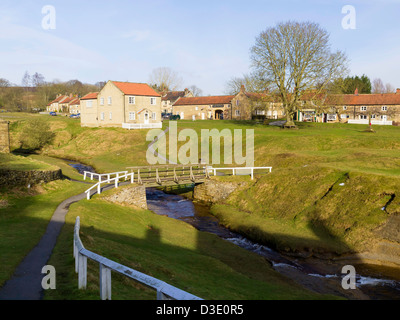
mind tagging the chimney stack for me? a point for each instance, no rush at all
(356, 92)
(398, 90)
(242, 88)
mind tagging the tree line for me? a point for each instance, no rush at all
(35, 92)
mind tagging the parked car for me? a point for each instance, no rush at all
(53, 113)
(75, 116)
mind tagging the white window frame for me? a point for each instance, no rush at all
(132, 100)
(154, 115)
(344, 107)
(153, 101)
(384, 108)
(132, 115)
(237, 113)
(102, 116)
(373, 116)
(363, 117)
(110, 115)
(102, 101)
(363, 108)
(89, 104)
(109, 101)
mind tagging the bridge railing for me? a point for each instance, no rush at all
(163, 289)
(174, 173)
(238, 170)
(104, 176)
(115, 180)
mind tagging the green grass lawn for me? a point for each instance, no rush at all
(300, 206)
(165, 248)
(15, 162)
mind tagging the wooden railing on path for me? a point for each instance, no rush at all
(164, 290)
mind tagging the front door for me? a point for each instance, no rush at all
(146, 118)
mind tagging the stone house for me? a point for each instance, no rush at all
(170, 97)
(250, 105)
(203, 108)
(89, 114)
(123, 104)
(74, 106)
(382, 108)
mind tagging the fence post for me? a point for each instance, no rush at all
(82, 271)
(160, 295)
(84, 175)
(252, 173)
(105, 283)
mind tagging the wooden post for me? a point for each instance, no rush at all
(252, 173)
(84, 175)
(82, 271)
(99, 188)
(105, 283)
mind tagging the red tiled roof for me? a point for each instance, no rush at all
(58, 99)
(173, 95)
(365, 99)
(90, 96)
(75, 101)
(136, 89)
(204, 100)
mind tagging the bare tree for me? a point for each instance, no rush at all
(389, 88)
(164, 79)
(378, 86)
(196, 91)
(26, 80)
(249, 81)
(293, 58)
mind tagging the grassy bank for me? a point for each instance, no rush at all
(24, 216)
(171, 250)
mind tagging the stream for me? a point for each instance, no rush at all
(372, 282)
(376, 283)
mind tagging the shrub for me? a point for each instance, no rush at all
(35, 135)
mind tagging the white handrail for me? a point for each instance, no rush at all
(99, 176)
(109, 180)
(235, 169)
(163, 289)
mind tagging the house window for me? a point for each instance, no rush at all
(363, 117)
(237, 103)
(153, 101)
(196, 108)
(154, 116)
(237, 112)
(132, 116)
(102, 101)
(89, 104)
(131, 100)
(363, 108)
(110, 115)
(384, 108)
(373, 116)
(344, 116)
(345, 108)
(102, 116)
(109, 101)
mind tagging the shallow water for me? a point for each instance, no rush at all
(375, 282)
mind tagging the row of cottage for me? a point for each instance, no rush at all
(137, 105)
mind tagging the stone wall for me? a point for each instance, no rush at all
(131, 195)
(213, 191)
(4, 137)
(12, 178)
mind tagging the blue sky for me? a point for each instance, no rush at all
(205, 42)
